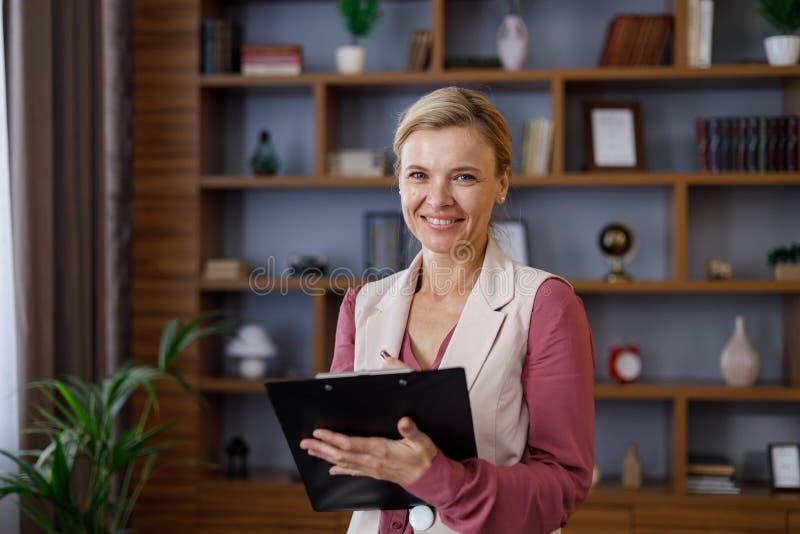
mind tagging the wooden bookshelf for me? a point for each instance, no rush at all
(180, 192)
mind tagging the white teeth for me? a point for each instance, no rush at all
(441, 221)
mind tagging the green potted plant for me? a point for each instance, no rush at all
(785, 262)
(359, 17)
(784, 16)
(79, 423)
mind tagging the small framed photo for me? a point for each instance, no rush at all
(784, 466)
(512, 238)
(385, 244)
(612, 133)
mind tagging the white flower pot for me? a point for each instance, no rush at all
(512, 42)
(787, 271)
(350, 59)
(782, 50)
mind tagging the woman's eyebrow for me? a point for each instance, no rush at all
(456, 169)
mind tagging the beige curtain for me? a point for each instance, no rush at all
(69, 89)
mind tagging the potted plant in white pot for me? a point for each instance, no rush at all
(784, 16)
(785, 262)
(360, 17)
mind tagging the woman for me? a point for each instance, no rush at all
(520, 333)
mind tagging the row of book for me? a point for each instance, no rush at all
(699, 32)
(711, 474)
(537, 147)
(419, 51)
(220, 50)
(747, 144)
(272, 60)
(637, 40)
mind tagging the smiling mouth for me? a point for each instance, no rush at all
(440, 221)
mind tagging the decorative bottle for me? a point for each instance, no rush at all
(740, 362)
(632, 469)
(264, 160)
(512, 40)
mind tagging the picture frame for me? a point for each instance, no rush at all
(784, 466)
(385, 244)
(513, 239)
(612, 136)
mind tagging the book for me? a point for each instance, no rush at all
(717, 465)
(700, 127)
(692, 32)
(705, 33)
(636, 40)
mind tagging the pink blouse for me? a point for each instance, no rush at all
(541, 492)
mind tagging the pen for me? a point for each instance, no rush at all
(385, 355)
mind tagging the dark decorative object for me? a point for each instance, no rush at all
(237, 451)
(303, 265)
(264, 160)
(385, 244)
(618, 243)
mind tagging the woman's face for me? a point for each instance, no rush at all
(448, 187)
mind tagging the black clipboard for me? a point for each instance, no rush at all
(370, 405)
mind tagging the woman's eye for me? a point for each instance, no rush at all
(465, 178)
(417, 175)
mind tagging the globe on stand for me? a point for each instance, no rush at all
(618, 243)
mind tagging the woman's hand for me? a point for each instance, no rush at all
(400, 461)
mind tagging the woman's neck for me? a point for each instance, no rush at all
(455, 272)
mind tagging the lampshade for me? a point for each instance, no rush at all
(251, 341)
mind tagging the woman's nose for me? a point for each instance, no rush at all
(439, 194)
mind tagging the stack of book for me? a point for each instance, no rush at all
(699, 32)
(419, 52)
(711, 474)
(272, 60)
(537, 147)
(220, 46)
(637, 40)
(226, 269)
(747, 144)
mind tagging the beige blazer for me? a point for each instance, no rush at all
(489, 342)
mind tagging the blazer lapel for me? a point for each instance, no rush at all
(386, 327)
(480, 321)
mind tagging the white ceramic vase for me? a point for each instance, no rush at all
(350, 59)
(740, 362)
(512, 42)
(782, 50)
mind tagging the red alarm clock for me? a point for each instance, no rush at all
(624, 363)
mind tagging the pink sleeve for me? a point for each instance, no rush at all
(344, 345)
(540, 493)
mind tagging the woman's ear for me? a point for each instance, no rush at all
(505, 178)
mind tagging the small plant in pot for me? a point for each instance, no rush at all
(785, 262)
(360, 17)
(784, 16)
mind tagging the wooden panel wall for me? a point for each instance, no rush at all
(165, 247)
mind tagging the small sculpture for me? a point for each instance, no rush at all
(632, 469)
(237, 451)
(718, 270)
(618, 243)
(264, 160)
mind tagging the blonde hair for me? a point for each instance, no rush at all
(456, 106)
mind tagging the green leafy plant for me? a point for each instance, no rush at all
(784, 15)
(788, 254)
(80, 424)
(359, 16)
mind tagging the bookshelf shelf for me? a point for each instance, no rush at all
(696, 392)
(568, 179)
(581, 286)
(609, 74)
